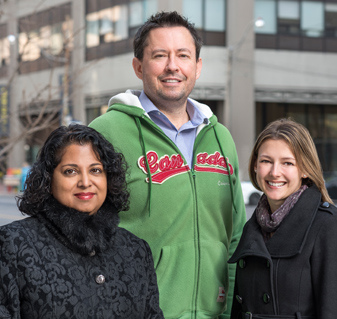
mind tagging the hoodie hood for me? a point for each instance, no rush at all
(131, 99)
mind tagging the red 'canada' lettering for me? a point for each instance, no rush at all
(214, 159)
(165, 163)
(167, 167)
(152, 158)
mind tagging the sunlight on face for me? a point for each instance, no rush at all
(79, 180)
(277, 172)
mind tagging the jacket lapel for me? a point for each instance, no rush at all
(289, 238)
(251, 242)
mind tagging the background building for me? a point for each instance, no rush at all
(262, 60)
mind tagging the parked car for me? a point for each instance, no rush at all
(330, 180)
(251, 195)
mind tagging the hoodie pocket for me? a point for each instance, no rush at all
(176, 277)
(190, 281)
(213, 282)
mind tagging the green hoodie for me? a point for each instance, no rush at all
(191, 218)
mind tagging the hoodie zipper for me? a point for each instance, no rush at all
(196, 211)
(197, 231)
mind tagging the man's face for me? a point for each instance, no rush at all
(169, 67)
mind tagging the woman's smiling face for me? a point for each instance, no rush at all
(79, 180)
(277, 172)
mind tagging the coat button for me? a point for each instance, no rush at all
(266, 298)
(242, 263)
(100, 279)
(326, 205)
(238, 299)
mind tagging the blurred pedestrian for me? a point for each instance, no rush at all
(24, 172)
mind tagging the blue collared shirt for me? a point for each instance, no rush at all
(184, 137)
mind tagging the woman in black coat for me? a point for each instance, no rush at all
(287, 257)
(70, 259)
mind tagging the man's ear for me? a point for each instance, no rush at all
(138, 68)
(199, 67)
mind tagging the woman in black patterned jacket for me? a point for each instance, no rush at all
(70, 259)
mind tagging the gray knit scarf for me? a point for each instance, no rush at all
(269, 222)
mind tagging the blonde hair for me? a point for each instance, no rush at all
(301, 144)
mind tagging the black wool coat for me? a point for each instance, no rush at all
(67, 264)
(294, 274)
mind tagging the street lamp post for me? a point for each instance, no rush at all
(239, 106)
(232, 52)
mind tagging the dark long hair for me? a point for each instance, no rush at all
(38, 183)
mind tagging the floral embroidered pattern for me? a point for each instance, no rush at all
(42, 278)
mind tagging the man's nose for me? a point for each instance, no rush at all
(172, 64)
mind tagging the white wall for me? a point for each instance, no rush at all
(295, 70)
(109, 74)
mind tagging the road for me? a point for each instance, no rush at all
(9, 211)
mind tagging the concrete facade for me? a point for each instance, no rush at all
(235, 76)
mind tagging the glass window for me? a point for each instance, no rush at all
(288, 17)
(266, 10)
(107, 25)
(4, 52)
(56, 41)
(331, 20)
(192, 9)
(328, 154)
(215, 15)
(45, 36)
(150, 8)
(106, 21)
(136, 14)
(140, 11)
(92, 32)
(312, 18)
(92, 113)
(29, 46)
(120, 18)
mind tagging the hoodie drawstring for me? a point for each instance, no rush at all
(142, 143)
(228, 168)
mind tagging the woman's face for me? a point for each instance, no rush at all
(277, 172)
(79, 180)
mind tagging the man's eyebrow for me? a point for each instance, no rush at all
(163, 50)
(158, 50)
(184, 49)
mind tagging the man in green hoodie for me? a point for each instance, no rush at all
(186, 199)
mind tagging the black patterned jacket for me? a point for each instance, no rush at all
(55, 266)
